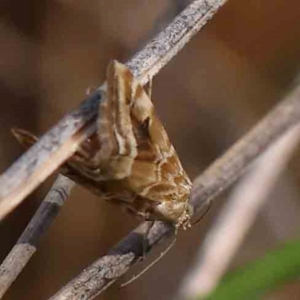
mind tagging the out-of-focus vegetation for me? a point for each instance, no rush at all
(267, 273)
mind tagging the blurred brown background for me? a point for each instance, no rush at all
(225, 80)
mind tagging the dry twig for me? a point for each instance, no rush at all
(27, 243)
(223, 172)
(236, 218)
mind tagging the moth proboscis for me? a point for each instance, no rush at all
(129, 159)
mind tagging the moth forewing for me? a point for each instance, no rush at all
(165, 182)
(130, 158)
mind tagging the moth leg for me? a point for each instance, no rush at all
(144, 215)
(24, 137)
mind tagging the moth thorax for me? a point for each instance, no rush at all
(178, 213)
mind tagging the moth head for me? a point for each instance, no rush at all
(177, 212)
(185, 219)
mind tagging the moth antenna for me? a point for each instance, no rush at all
(204, 214)
(162, 254)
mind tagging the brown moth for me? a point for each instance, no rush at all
(130, 159)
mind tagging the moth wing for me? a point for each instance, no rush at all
(156, 167)
(115, 133)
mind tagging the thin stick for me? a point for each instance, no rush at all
(104, 271)
(27, 243)
(225, 170)
(61, 141)
(236, 218)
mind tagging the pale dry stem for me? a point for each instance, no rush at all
(237, 216)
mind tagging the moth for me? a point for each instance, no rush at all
(130, 159)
